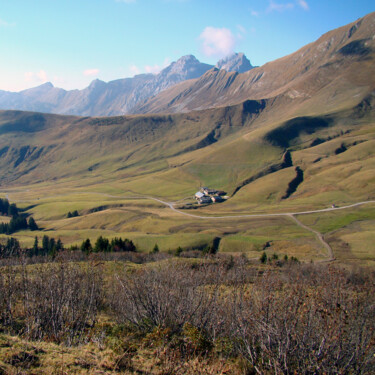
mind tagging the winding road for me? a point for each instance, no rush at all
(291, 215)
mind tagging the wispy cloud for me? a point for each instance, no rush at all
(281, 7)
(217, 41)
(303, 4)
(91, 72)
(134, 70)
(6, 24)
(153, 69)
(241, 32)
(255, 13)
(278, 7)
(36, 77)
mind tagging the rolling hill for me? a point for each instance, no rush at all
(296, 134)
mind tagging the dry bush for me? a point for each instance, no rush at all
(8, 297)
(312, 321)
(305, 319)
(167, 296)
(58, 302)
(301, 319)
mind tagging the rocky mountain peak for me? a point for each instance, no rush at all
(236, 62)
(96, 83)
(186, 67)
(38, 90)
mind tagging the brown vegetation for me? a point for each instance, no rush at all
(221, 314)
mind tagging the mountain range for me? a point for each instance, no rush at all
(312, 95)
(116, 97)
(337, 64)
(294, 135)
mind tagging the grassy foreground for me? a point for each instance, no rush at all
(164, 315)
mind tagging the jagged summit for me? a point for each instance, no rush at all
(237, 62)
(188, 84)
(96, 83)
(187, 67)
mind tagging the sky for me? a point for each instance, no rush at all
(72, 42)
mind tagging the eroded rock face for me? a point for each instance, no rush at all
(237, 62)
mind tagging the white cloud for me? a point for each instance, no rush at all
(154, 69)
(134, 70)
(303, 4)
(217, 42)
(279, 7)
(38, 77)
(91, 72)
(167, 61)
(255, 13)
(42, 76)
(59, 81)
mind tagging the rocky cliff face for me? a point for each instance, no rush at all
(236, 62)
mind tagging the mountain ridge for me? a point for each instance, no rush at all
(111, 98)
(299, 75)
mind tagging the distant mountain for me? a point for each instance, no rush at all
(338, 66)
(305, 121)
(101, 98)
(236, 62)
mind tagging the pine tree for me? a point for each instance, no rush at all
(263, 258)
(36, 246)
(32, 224)
(86, 246)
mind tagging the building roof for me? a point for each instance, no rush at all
(199, 194)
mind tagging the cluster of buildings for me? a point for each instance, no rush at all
(206, 195)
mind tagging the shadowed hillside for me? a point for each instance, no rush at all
(305, 142)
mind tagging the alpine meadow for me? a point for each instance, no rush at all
(204, 219)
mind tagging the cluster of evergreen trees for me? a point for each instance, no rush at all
(10, 248)
(72, 214)
(7, 209)
(103, 244)
(17, 222)
(49, 246)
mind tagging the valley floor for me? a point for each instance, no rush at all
(309, 234)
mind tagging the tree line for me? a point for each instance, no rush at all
(103, 244)
(17, 221)
(49, 246)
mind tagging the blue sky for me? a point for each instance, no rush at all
(72, 42)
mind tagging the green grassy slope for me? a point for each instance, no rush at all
(107, 168)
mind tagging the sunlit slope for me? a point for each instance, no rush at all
(239, 149)
(106, 168)
(332, 70)
(38, 147)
